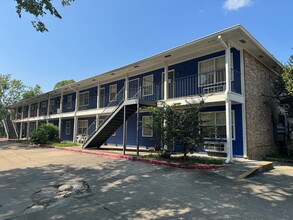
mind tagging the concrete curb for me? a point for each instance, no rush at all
(265, 166)
(135, 158)
(139, 159)
(279, 160)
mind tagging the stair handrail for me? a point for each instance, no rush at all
(5, 127)
(86, 133)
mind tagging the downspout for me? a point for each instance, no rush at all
(227, 100)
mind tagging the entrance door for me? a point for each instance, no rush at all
(102, 98)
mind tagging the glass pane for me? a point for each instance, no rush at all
(207, 118)
(207, 66)
(208, 131)
(220, 118)
(221, 132)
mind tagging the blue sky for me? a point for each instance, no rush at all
(95, 36)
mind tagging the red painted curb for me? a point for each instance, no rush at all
(139, 159)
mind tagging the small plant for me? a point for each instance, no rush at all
(45, 134)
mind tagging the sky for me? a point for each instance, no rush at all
(95, 36)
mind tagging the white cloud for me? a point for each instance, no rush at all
(234, 5)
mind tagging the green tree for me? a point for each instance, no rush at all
(10, 91)
(39, 8)
(32, 92)
(47, 133)
(175, 124)
(284, 87)
(63, 83)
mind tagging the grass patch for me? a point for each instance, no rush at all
(188, 161)
(65, 144)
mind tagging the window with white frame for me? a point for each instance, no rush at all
(84, 99)
(52, 104)
(212, 71)
(112, 92)
(148, 85)
(146, 122)
(82, 126)
(68, 128)
(69, 102)
(214, 125)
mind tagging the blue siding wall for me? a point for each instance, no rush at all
(65, 98)
(63, 127)
(157, 76)
(90, 121)
(120, 85)
(92, 97)
(131, 134)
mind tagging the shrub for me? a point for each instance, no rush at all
(45, 134)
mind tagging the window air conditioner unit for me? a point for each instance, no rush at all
(216, 147)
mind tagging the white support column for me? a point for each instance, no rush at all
(22, 112)
(28, 123)
(97, 121)
(48, 109)
(126, 88)
(38, 114)
(20, 132)
(75, 121)
(60, 114)
(165, 81)
(98, 95)
(228, 100)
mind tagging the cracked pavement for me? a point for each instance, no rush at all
(42, 183)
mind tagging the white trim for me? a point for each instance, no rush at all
(82, 93)
(79, 123)
(104, 103)
(214, 62)
(68, 125)
(234, 125)
(112, 85)
(71, 97)
(142, 130)
(165, 94)
(143, 86)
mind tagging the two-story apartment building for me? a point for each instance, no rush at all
(230, 69)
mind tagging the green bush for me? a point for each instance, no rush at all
(45, 134)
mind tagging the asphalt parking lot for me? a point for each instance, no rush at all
(43, 183)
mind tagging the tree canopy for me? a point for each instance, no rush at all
(32, 92)
(10, 91)
(39, 8)
(63, 83)
(284, 87)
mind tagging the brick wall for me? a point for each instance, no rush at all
(260, 108)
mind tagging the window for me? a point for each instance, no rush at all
(148, 84)
(147, 121)
(44, 105)
(82, 126)
(212, 71)
(84, 98)
(68, 128)
(112, 92)
(214, 125)
(52, 105)
(69, 102)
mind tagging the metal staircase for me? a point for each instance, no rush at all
(10, 129)
(116, 116)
